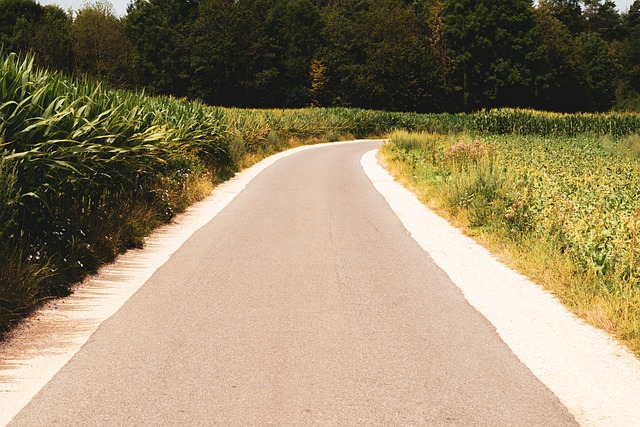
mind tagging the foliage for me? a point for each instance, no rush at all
(27, 26)
(51, 41)
(563, 82)
(579, 197)
(86, 171)
(603, 18)
(319, 82)
(422, 55)
(86, 160)
(101, 48)
(290, 39)
(8, 201)
(375, 57)
(17, 19)
(629, 90)
(568, 12)
(600, 72)
(161, 33)
(221, 52)
(495, 49)
(531, 122)
(19, 277)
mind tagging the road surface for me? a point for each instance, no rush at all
(304, 302)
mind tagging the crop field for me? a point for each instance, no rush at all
(565, 210)
(86, 172)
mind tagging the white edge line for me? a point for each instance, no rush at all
(595, 377)
(45, 342)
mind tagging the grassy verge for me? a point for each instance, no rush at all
(565, 211)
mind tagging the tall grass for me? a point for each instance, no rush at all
(568, 209)
(530, 122)
(496, 121)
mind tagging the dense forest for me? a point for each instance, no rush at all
(402, 55)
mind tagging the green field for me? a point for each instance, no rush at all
(564, 210)
(86, 172)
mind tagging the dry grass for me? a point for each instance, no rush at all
(612, 308)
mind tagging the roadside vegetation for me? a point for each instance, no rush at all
(563, 207)
(86, 172)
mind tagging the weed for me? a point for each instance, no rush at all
(564, 208)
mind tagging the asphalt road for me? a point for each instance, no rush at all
(304, 302)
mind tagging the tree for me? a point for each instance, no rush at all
(376, 56)
(51, 40)
(288, 44)
(632, 19)
(17, 20)
(601, 72)
(569, 12)
(438, 86)
(630, 86)
(344, 53)
(161, 33)
(44, 30)
(496, 50)
(101, 47)
(319, 83)
(227, 50)
(215, 36)
(563, 83)
(603, 18)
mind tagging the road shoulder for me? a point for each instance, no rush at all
(593, 375)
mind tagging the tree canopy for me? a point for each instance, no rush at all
(405, 55)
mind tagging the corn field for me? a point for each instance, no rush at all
(86, 171)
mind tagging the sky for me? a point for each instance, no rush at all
(121, 5)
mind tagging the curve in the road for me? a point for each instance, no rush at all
(43, 344)
(302, 302)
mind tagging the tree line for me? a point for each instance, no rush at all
(403, 55)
